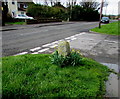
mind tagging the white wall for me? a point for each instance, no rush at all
(12, 7)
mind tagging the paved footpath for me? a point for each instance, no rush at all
(17, 27)
(100, 47)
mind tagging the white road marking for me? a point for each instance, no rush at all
(68, 38)
(54, 42)
(72, 36)
(60, 40)
(34, 49)
(46, 45)
(53, 46)
(21, 53)
(43, 50)
(35, 53)
(80, 34)
(77, 35)
(111, 41)
(73, 39)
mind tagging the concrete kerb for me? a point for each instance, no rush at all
(93, 32)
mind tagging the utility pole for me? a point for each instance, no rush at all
(101, 8)
(71, 7)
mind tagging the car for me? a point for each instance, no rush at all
(105, 20)
(23, 16)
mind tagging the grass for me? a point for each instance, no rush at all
(111, 29)
(16, 23)
(34, 76)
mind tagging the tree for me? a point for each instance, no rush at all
(71, 2)
(58, 4)
(77, 13)
(4, 12)
(51, 1)
(90, 4)
(46, 2)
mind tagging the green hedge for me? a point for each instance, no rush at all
(36, 21)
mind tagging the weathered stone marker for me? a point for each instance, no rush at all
(64, 48)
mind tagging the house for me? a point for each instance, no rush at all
(16, 7)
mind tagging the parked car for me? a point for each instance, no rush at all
(23, 16)
(105, 20)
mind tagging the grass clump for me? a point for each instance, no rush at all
(16, 23)
(73, 59)
(111, 29)
(34, 76)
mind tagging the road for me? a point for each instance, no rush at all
(19, 40)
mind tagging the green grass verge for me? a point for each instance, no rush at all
(16, 23)
(34, 76)
(111, 29)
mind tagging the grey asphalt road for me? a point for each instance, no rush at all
(16, 41)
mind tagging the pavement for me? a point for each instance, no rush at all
(18, 27)
(100, 47)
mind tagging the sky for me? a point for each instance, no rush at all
(111, 9)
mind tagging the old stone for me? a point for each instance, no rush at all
(64, 48)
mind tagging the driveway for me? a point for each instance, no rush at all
(101, 47)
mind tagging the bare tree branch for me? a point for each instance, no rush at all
(71, 2)
(90, 4)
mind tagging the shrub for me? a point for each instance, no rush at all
(42, 11)
(73, 59)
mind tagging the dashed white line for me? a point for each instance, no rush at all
(68, 38)
(54, 42)
(73, 39)
(53, 46)
(72, 36)
(34, 49)
(77, 35)
(21, 53)
(35, 53)
(80, 34)
(43, 50)
(60, 40)
(46, 45)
